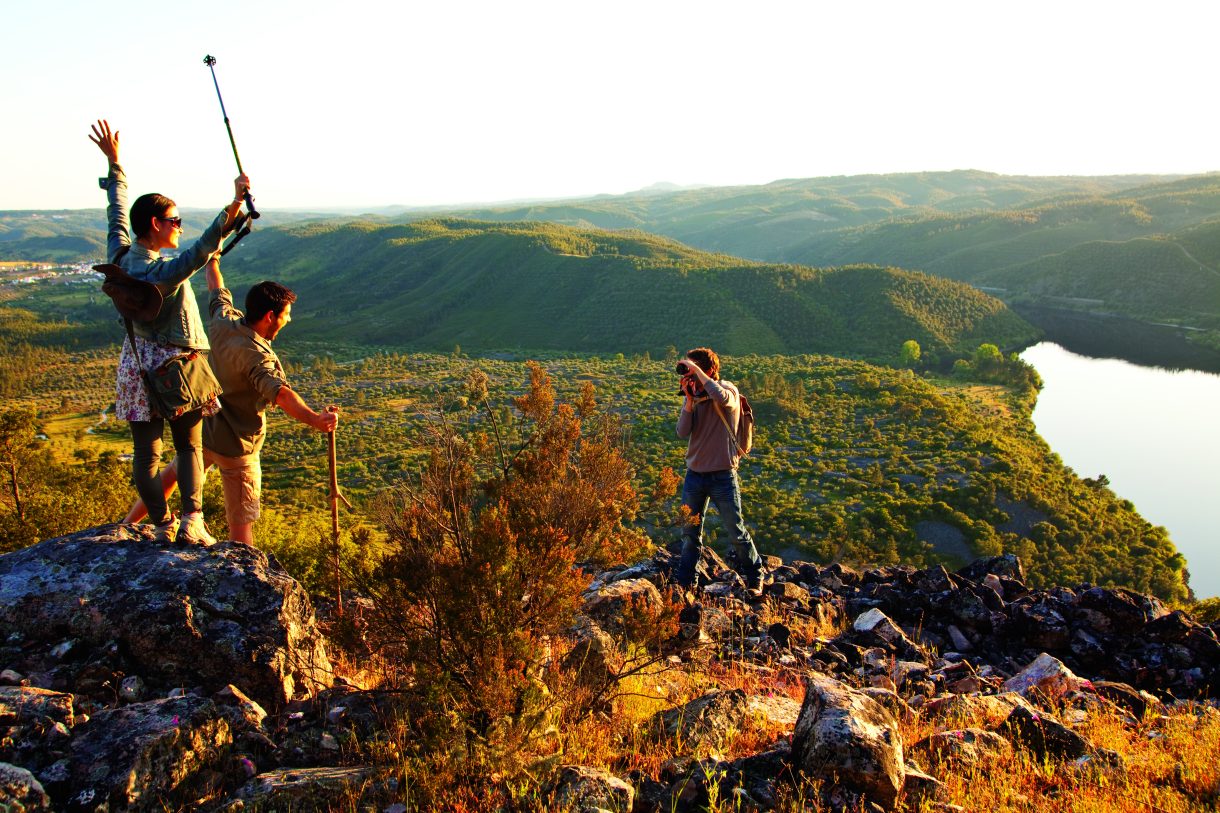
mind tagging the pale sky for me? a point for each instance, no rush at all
(370, 103)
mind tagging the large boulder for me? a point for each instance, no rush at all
(847, 737)
(138, 756)
(183, 615)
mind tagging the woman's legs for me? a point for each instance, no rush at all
(145, 457)
(187, 432)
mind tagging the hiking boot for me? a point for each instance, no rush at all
(163, 534)
(193, 531)
(754, 583)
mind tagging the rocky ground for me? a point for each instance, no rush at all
(134, 677)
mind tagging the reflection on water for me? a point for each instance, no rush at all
(1107, 336)
(1154, 432)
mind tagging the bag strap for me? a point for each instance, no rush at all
(725, 421)
(135, 351)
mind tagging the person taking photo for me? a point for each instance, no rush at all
(711, 409)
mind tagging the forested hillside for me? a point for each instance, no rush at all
(434, 284)
(1149, 252)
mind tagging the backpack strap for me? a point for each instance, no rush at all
(725, 421)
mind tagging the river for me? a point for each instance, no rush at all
(1154, 432)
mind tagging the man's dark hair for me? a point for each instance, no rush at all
(707, 359)
(145, 209)
(267, 297)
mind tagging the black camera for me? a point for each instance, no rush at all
(689, 384)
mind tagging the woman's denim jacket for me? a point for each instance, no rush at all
(178, 324)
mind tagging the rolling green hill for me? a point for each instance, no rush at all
(485, 286)
(1149, 252)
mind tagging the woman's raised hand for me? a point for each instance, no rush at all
(105, 140)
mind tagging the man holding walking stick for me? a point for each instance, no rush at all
(253, 379)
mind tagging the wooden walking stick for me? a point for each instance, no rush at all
(335, 496)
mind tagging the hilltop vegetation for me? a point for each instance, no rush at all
(488, 286)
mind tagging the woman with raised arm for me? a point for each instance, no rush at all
(176, 330)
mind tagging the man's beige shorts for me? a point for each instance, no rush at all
(242, 480)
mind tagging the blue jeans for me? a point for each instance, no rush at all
(722, 488)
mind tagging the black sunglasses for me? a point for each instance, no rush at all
(177, 221)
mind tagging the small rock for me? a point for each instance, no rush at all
(20, 792)
(879, 624)
(131, 689)
(302, 788)
(584, 790)
(328, 742)
(10, 678)
(960, 642)
(23, 704)
(60, 650)
(1046, 676)
(962, 748)
(1044, 735)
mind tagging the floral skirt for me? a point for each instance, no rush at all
(131, 397)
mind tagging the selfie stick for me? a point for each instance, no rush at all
(210, 61)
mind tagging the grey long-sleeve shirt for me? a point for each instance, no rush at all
(710, 447)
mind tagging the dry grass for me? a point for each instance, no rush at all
(1168, 763)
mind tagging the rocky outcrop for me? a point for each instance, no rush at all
(134, 677)
(107, 599)
(124, 655)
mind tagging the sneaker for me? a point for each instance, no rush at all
(193, 531)
(164, 533)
